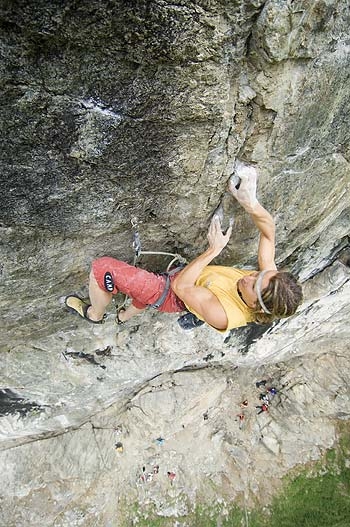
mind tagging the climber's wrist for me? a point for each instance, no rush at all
(252, 207)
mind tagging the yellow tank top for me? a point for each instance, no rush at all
(222, 281)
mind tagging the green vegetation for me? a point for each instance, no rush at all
(317, 496)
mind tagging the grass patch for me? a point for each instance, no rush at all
(314, 502)
(318, 496)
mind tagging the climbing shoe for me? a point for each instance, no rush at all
(189, 321)
(117, 319)
(76, 305)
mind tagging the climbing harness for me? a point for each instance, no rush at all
(186, 321)
(170, 270)
(163, 296)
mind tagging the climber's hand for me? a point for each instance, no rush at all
(246, 193)
(217, 240)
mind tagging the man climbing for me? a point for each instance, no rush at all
(224, 297)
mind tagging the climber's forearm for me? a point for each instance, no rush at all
(266, 225)
(245, 194)
(189, 275)
(263, 221)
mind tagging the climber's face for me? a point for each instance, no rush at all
(247, 286)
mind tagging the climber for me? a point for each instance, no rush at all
(264, 397)
(272, 390)
(263, 408)
(258, 384)
(241, 418)
(224, 297)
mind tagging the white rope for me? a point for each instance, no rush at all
(138, 252)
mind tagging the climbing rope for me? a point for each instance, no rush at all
(138, 248)
(136, 243)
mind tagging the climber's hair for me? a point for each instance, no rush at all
(281, 297)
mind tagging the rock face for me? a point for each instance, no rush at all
(115, 110)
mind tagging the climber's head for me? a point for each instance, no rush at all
(278, 295)
(270, 294)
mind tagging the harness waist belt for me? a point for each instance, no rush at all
(161, 299)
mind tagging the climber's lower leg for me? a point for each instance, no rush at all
(99, 299)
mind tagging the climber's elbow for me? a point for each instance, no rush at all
(178, 287)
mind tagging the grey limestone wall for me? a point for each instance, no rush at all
(113, 110)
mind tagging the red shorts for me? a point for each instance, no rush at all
(142, 286)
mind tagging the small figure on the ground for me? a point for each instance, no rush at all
(264, 397)
(143, 475)
(206, 416)
(241, 419)
(258, 384)
(118, 430)
(147, 477)
(224, 297)
(272, 391)
(263, 408)
(244, 403)
(119, 447)
(171, 476)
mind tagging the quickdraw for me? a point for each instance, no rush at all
(136, 243)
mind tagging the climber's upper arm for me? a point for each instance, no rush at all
(205, 303)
